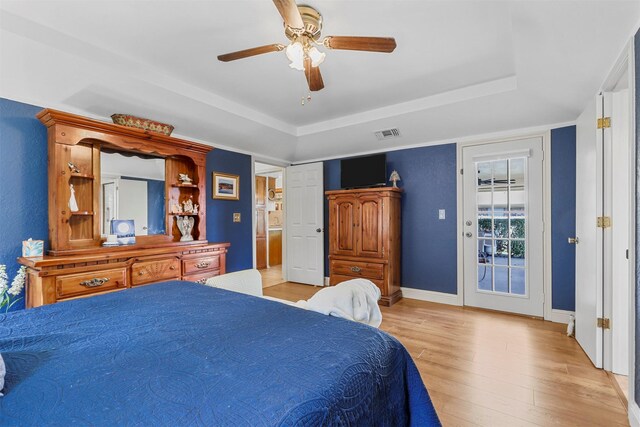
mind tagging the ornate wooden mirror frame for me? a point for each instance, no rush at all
(77, 140)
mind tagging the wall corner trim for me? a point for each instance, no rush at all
(431, 296)
(634, 414)
(558, 316)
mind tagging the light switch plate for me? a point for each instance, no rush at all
(236, 217)
(441, 214)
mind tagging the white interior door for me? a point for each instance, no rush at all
(304, 189)
(132, 203)
(617, 205)
(589, 206)
(503, 226)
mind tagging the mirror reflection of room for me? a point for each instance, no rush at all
(132, 188)
(269, 222)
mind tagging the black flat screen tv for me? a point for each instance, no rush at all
(366, 171)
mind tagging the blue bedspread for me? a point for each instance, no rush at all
(178, 353)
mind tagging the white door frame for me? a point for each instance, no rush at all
(552, 315)
(560, 316)
(283, 166)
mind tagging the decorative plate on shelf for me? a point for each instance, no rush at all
(140, 123)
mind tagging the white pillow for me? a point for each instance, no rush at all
(3, 371)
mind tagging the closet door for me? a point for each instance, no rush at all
(370, 230)
(342, 224)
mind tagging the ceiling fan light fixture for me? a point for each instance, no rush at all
(316, 56)
(295, 54)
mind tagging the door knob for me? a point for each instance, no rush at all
(318, 230)
(468, 234)
(573, 240)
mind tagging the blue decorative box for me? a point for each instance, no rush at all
(32, 248)
(125, 230)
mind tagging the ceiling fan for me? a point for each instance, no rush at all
(303, 26)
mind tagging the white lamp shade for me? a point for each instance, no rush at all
(316, 56)
(295, 53)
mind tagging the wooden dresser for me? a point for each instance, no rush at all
(58, 278)
(364, 238)
(78, 265)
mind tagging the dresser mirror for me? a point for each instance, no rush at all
(132, 187)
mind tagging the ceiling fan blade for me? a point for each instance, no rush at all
(250, 52)
(314, 78)
(290, 13)
(369, 44)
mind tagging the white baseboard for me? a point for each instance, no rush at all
(634, 414)
(431, 296)
(559, 316)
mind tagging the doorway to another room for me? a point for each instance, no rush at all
(269, 199)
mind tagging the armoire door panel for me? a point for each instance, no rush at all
(343, 240)
(370, 241)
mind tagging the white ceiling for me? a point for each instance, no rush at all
(461, 68)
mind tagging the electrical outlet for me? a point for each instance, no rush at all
(441, 214)
(236, 217)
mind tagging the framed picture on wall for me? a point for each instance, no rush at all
(226, 186)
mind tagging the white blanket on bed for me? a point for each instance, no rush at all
(355, 300)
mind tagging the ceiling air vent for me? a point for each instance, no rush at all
(387, 134)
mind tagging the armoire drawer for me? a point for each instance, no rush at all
(155, 271)
(72, 285)
(357, 269)
(334, 279)
(201, 264)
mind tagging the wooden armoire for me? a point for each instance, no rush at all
(364, 238)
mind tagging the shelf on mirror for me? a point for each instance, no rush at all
(86, 213)
(185, 185)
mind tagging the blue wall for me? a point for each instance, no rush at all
(155, 204)
(637, 99)
(23, 182)
(220, 225)
(428, 244)
(563, 217)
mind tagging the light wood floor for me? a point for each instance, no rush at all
(271, 276)
(492, 369)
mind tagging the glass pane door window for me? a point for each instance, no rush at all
(501, 218)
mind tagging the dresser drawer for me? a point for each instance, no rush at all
(357, 269)
(72, 285)
(202, 277)
(201, 264)
(155, 271)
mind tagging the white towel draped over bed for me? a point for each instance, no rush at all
(355, 300)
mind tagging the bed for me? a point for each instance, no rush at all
(179, 353)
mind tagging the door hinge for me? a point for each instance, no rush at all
(604, 222)
(604, 122)
(604, 323)
(461, 171)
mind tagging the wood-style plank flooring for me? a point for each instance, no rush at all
(271, 276)
(492, 369)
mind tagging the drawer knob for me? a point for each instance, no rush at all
(173, 267)
(356, 269)
(95, 282)
(203, 264)
(141, 273)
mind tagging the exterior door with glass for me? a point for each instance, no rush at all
(503, 226)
